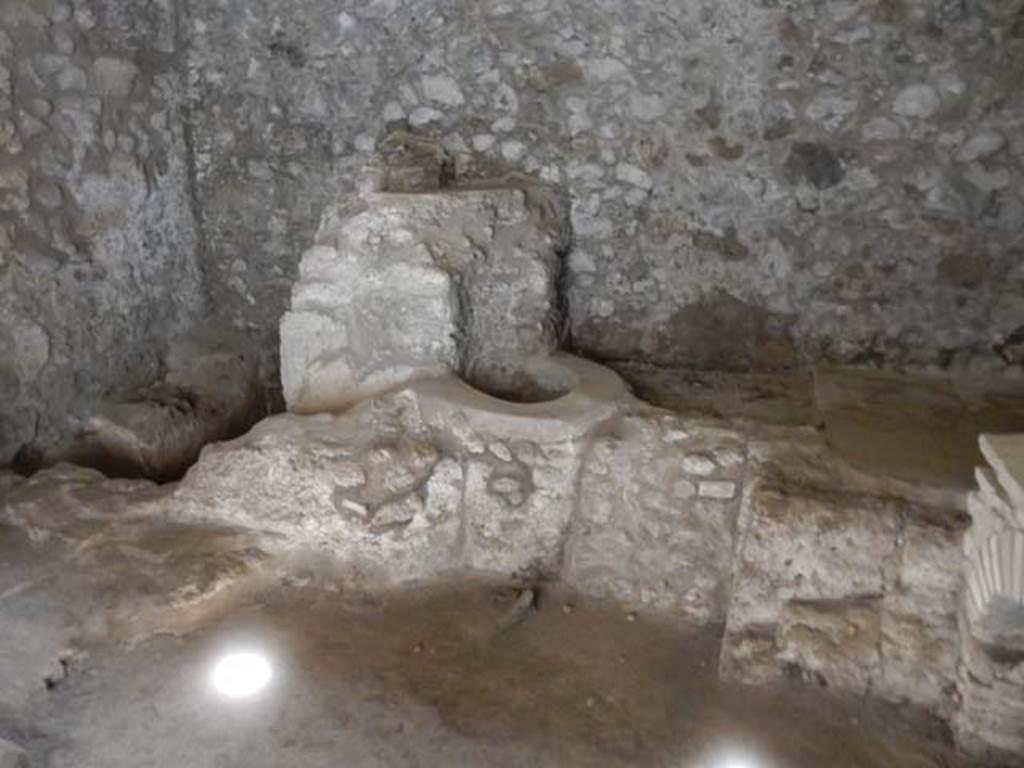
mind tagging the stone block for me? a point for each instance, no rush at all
(641, 535)
(841, 586)
(420, 284)
(832, 642)
(518, 512)
(109, 566)
(382, 500)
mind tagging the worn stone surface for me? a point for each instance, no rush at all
(440, 476)
(841, 583)
(135, 561)
(782, 399)
(380, 498)
(84, 558)
(436, 477)
(97, 237)
(987, 723)
(656, 516)
(524, 462)
(423, 283)
(846, 178)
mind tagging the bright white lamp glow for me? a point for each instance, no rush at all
(732, 756)
(240, 675)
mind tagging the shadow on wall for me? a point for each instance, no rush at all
(724, 332)
(210, 392)
(98, 241)
(854, 166)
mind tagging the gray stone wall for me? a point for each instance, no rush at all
(753, 183)
(97, 236)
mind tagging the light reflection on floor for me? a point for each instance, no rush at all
(435, 678)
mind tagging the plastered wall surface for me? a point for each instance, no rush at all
(97, 235)
(753, 183)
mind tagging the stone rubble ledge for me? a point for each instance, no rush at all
(838, 581)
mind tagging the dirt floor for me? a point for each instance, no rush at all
(474, 675)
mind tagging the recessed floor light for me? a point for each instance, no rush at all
(241, 675)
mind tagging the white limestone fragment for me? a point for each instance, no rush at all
(605, 68)
(631, 174)
(831, 112)
(483, 142)
(72, 78)
(512, 150)
(861, 34)
(365, 142)
(501, 451)
(717, 489)
(647, 107)
(346, 23)
(442, 89)
(423, 115)
(698, 464)
(684, 489)
(503, 125)
(393, 111)
(981, 145)
(919, 101)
